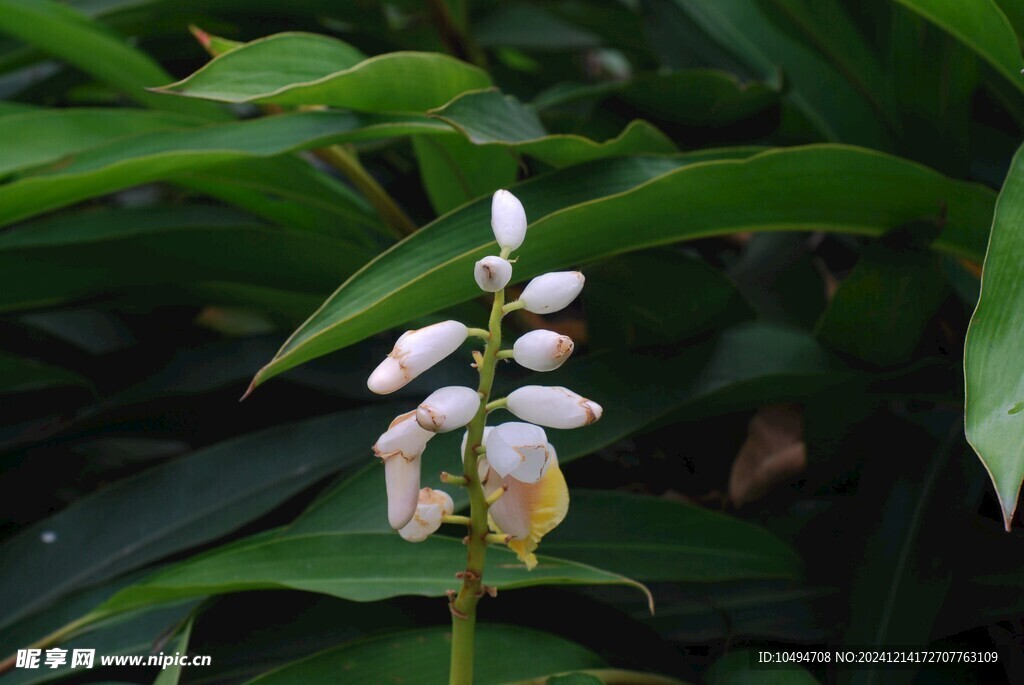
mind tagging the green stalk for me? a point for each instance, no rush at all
(464, 605)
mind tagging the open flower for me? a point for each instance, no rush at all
(528, 511)
(519, 450)
(400, 447)
(553, 406)
(432, 507)
(415, 352)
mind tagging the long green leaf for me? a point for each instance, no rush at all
(456, 171)
(85, 44)
(306, 69)
(982, 26)
(811, 188)
(18, 374)
(165, 154)
(653, 539)
(994, 388)
(32, 139)
(424, 657)
(87, 254)
(822, 92)
(178, 505)
(739, 668)
(490, 118)
(363, 567)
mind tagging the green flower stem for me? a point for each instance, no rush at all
(512, 306)
(506, 354)
(497, 404)
(479, 333)
(452, 518)
(463, 607)
(452, 480)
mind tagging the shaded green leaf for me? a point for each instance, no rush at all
(71, 36)
(425, 658)
(455, 171)
(309, 69)
(982, 26)
(18, 374)
(838, 110)
(653, 539)
(359, 566)
(810, 188)
(86, 254)
(994, 390)
(166, 154)
(213, 491)
(490, 118)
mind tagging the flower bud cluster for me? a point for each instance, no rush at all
(516, 464)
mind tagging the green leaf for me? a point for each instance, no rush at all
(490, 118)
(702, 97)
(166, 154)
(36, 138)
(881, 309)
(18, 374)
(994, 389)
(216, 490)
(744, 367)
(629, 205)
(982, 26)
(621, 311)
(425, 658)
(530, 28)
(308, 69)
(738, 668)
(172, 675)
(363, 567)
(653, 539)
(838, 110)
(456, 171)
(1014, 12)
(81, 255)
(82, 43)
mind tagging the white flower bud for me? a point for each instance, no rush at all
(554, 407)
(400, 447)
(542, 350)
(508, 220)
(519, 450)
(432, 506)
(552, 292)
(415, 352)
(492, 273)
(448, 408)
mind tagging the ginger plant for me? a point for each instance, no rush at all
(517, 493)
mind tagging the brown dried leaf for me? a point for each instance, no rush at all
(774, 452)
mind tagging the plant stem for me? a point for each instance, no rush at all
(349, 166)
(464, 605)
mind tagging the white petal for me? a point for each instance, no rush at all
(554, 407)
(448, 408)
(508, 220)
(552, 292)
(465, 437)
(415, 352)
(402, 478)
(403, 438)
(492, 273)
(542, 350)
(519, 450)
(432, 506)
